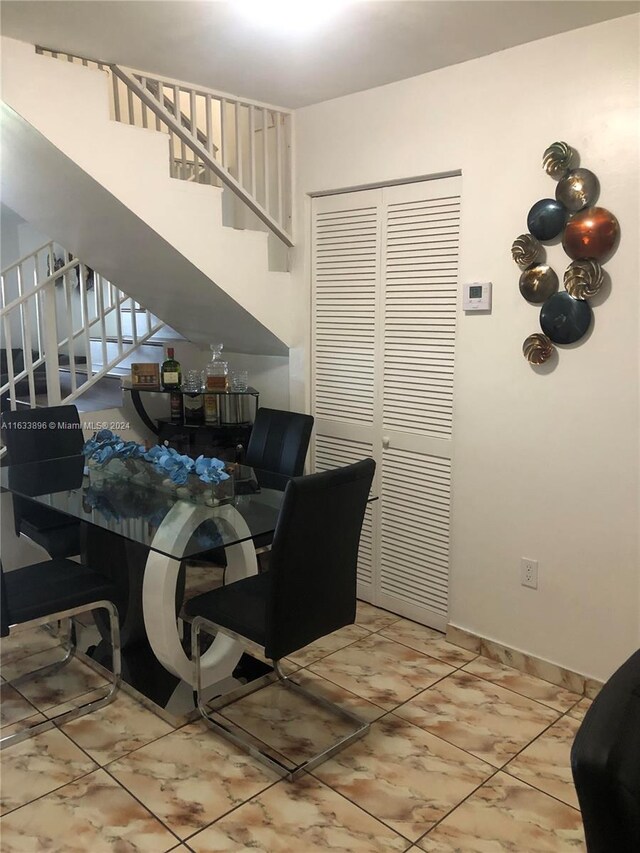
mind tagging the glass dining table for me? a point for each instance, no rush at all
(142, 537)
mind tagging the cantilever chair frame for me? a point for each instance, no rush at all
(86, 707)
(229, 730)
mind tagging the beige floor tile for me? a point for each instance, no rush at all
(373, 618)
(428, 641)
(486, 720)
(326, 645)
(580, 709)
(507, 816)
(191, 777)
(23, 643)
(39, 765)
(305, 817)
(546, 763)
(93, 814)
(520, 682)
(116, 729)
(13, 706)
(48, 691)
(293, 725)
(406, 777)
(381, 671)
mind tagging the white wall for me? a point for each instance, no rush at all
(545, 464)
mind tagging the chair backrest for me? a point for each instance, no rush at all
(279, 441)
(605, 760)
(314, 557)
(34, 435)
(29, 436)
(5, 618)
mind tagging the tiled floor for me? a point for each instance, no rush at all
(464, 756)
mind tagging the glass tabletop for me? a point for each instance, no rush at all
(153, 515)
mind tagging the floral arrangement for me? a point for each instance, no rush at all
(106, 445)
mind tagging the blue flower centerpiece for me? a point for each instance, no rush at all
(161, 466)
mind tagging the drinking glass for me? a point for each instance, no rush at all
(239, 380)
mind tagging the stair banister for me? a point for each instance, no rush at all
(192, 142)
(56, 328)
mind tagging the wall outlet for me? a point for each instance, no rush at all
(529, 573)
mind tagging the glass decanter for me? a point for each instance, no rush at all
(216, 372)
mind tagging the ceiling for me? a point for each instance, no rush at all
(365, 44)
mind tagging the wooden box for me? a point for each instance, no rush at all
(145, 375)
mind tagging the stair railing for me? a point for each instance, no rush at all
(53, 308)
(214, 137)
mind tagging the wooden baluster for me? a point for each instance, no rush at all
(238, 144)
(143, 83)
(223, 125)
(279, 170)
(265, 155)
(252, 148)
(71, 340)
(52, 362)
(116, 97)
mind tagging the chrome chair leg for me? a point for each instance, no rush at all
(240, 737)
(86, 707)
(56, 666)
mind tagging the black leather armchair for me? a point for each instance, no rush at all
(605, 760)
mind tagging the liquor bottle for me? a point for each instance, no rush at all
(170, 372)
(211, 413)
(176, 407)
(192, 398)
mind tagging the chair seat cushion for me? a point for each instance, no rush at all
(60, 541)
(51, 587)
(240, 606)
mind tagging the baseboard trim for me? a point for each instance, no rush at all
(530, 664)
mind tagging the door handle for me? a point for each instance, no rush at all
(386, 441)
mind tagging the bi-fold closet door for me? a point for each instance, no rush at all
(385, 271)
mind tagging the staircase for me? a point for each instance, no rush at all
(174, 192)
(64, 328)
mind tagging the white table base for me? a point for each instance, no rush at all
(160, 582)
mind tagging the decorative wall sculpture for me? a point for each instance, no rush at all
(589, 237)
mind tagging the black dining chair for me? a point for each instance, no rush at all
(277, 447)
(309, 592)
(279, 442)
(46, 592)
(35, 435)
(605, 761)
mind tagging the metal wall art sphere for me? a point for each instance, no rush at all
(591, 233)
(547, 218)
(537, 348)
(565, 320)
(583, 279)
(538, 283)
(557, 159)
(526, 250)
(578, 189)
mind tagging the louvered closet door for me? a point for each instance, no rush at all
(346, 316)
(419, 296)
(385, 271)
